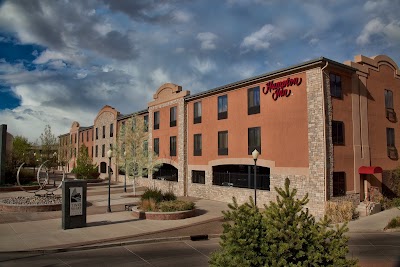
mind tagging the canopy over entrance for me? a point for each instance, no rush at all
(369, 170)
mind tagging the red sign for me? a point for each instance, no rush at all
(278, 89)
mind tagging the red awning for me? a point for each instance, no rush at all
(369, 170)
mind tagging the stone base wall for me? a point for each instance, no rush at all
(165, 186)
(352, 197)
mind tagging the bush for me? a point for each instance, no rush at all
(393, 223)
(175, 205)
(168, 196)
(148, 205)
(388, 203)
(153, 193)
(84, 168)
(338, 212)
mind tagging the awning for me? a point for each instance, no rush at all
(369, 170)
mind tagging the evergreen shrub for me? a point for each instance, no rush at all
(153, 193)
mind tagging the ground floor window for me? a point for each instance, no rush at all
(166, 172)
(241, 176)
(198, 177)
(103, 167)
(339, 184)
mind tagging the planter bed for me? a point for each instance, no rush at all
(151, 215)
(17, 188)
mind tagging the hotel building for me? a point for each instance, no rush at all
(330, 127)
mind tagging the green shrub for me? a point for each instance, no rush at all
(393, 223)
(338, 212)
(84, 168)
(175, 205)
(153, 193)
(388, 203)
(168, 196)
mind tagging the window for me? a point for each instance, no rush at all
(146, 123)
(337, 133)
(339, 184)
(92, 152)
(336, 85)
(104, 131)
(197, 145)
(145, 148)
(156, 145)
(391, 145)
(156, 120)
(111, 129)
(253, 100)
(222, 107)
(254, 139)
(172, 146)
(87, 136)
(92, 134)
(223, 143)
(82, 136)
(172, 117)
(390, 114)
(390, 137)
(103, 167)
(198, 177)
(103, 150)
(75, 137)
(197, 112)
(97, 151)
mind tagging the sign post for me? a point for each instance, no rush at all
(74, 204)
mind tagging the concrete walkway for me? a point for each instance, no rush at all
(111, 227)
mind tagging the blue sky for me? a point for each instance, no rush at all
(61, 61)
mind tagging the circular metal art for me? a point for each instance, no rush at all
(42, 185)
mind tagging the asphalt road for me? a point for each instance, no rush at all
(372, 249)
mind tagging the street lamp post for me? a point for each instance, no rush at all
(125, 172)
(255, 154)
(34, 163)
(109, 155)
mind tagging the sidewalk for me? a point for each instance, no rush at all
(373, 223)
(104, 227)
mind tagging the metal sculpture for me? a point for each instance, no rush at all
(42, 185)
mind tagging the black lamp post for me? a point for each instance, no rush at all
(255, 154)
(109, 155)
(125, 172)
(34, 164)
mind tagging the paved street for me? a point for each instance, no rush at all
(372, 249)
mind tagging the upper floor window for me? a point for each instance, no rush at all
(97, 151)
(82, 136)
(111, 129)
(222, 107)
(254, 139)
(103, 150)
(390, 114)
(197, 145)
(172, 117)
(146, 122)
(172, 146)
(337, 133)
(104, 131)
(156, 120)
(223, 143)
(336, 85)
(145, 148)
(156, 145)
(391, 145)
(253, 100)
(197, 112)
(87, 136)
(75, 137)
(339, 184)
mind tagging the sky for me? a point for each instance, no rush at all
(62, 61)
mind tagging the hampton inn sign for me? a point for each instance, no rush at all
(278, 89)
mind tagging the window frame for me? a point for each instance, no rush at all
(172, 116)
(252, 93)
(222, 107)
(198, 177)
(252, 132)
(222, 149)
(197, 144)
(339, 186)
(156, 120)
(197, 108)
(172, 146)
(336, 138)
(336, 87)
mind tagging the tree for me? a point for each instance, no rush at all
(84, 168)
(286, 235)
(133, 155)
(48, 143)
(20, 151)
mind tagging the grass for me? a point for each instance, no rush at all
(338, 212)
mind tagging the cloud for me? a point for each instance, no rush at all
(261, 39)
(207, 40)
(376, 28)
(203, 66)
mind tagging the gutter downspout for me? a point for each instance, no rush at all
(324, 132)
